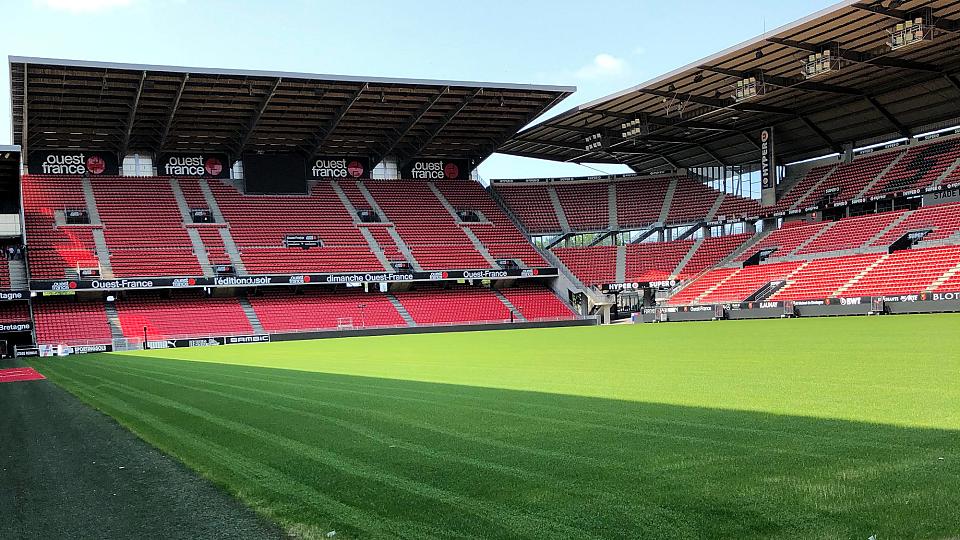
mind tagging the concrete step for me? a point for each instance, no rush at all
(113, 319)
(946, 173)
(232, 251)
(715, 208)
(251, 315)
(404, 249)
(513, 309)
(18, 275)
(612, 206)
(211, 201)
(813, 188)
(92, 211)
(855, 279)
(103, 253)
(621, 264)
(813, 238)
(893, 225)
(558, 209)
(376, 249)
(181, 200)
(866, 189)
(401, 310)
(477, 244)
(944, 278)
(716, 286)
(686, 258)
(200, 250)
(668, 200)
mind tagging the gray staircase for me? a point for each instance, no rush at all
(477, 244)
(404, 249)
(814, 187)
(813, 238)
(200, 250)
(746, 246)
(944, 278)
(766, 291)
(715, 208)
(855, 279)
(376, 249)
(866, 189)
(686, 258)
(404, 314)
(103, 253)
(621, 266)
(92, 211)
(211, 202)
(946, 173)
(371, 201)
(612, 206)
(181, 200)
(232, 251)
(513, 309)
(558, 209)
(18, 275)
(893, 225)
(251, 315)
(668, 200)
(113, 319)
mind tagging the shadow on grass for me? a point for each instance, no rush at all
(375, 457)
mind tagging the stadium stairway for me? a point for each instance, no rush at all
(686, 258)
(668, 200)
(621, 264)
(251, 315)
(947, 276)
(392, 231)
(17, 271)
(558, 209)
(233, 252)
(890, 226)
(477, 244)
(612, 206)
(866, 189)
(404, 314)
(813, 188)
(811, 239)
(955, 166)
(716, 207)
(855, 279)
(199, 249)
(113, 319)
(371, 241)
(103, 252)
(513, 309)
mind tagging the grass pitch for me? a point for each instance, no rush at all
(810, 428)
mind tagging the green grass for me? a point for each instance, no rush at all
(810, 428)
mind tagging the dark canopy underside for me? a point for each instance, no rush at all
(63, 104)
(691, 118)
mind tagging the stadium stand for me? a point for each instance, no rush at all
(537, 303)
(70, 321)
(4, 273)
(585, 205)
(13, 312)
(712, 251)
(56, 248)
(593, 266)
(850, 179)
(183, 314)
(850, 233)
(425, 225)
(655, 259)
(639, 202)
(942, 220)
(435, 305)
(532, 205)
(919, 167)
(322, 309)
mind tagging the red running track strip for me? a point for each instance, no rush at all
(19, 374)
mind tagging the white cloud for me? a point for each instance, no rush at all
(83, 6)
(603, 65)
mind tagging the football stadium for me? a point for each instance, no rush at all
(269, 304)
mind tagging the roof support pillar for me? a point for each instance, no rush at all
(173, 113)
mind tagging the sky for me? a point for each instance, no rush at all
(600, 47)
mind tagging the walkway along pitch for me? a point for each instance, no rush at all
(69, 471)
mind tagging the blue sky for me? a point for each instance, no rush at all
(600, 47)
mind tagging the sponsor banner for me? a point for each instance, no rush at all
(436, 169)
(768, 163)
(199, 165)
(237, 340)
(939, 297)
(181, 343)
(880, 148)
(950, 195)
(301, 279)
(756, 305)
(26, 352)
(619, 287)
(88, 349)
(338, 167)
(955, 131)
(13, 296)
(24, 326)
(302, 240)
(73, 163)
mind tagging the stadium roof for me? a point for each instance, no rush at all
(65, 104)
(691, 119)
